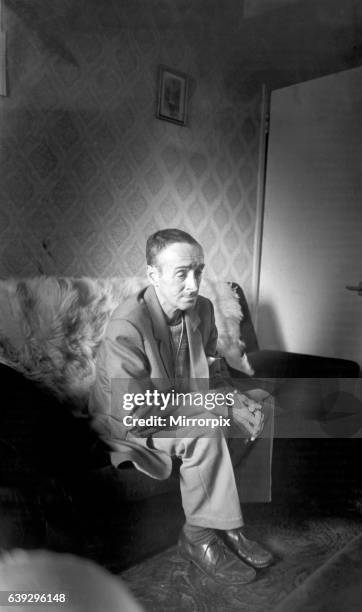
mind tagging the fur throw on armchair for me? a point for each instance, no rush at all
(50, 328)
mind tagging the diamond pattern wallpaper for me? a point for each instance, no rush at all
(88, 171)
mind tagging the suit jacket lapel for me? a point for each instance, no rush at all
(160, 330)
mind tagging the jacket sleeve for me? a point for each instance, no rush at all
(122, 368)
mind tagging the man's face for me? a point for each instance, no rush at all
(177, 276)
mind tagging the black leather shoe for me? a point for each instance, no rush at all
(249, 551)
(216, 561)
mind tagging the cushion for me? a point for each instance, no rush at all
(50, 328)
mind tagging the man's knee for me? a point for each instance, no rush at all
(201, 440)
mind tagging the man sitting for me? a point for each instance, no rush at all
(160, 346)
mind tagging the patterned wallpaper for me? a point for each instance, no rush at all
(88, 171)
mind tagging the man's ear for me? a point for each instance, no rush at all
(153, 275)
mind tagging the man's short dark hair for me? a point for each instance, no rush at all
(162, 239)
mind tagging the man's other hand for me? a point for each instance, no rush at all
(248, 413)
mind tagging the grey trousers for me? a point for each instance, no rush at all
(220, 468)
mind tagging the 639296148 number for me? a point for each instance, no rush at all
(31, 598)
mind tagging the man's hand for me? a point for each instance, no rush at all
(248, 413)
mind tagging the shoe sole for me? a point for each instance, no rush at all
(263, 566)
(253, 565)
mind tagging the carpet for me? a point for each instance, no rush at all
(301, 544)
(334, 587)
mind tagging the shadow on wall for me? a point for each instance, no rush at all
(269, 330)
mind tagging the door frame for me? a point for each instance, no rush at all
(260, 199)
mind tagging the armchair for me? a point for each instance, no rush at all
(317, 446)
(283, 364)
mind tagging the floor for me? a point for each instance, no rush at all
(302, 540)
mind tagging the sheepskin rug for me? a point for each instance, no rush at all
(50, 328)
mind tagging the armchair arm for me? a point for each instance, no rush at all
(281, 364)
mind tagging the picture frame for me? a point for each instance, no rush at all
(172, 95)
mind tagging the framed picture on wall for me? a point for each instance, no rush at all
(172, 95)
